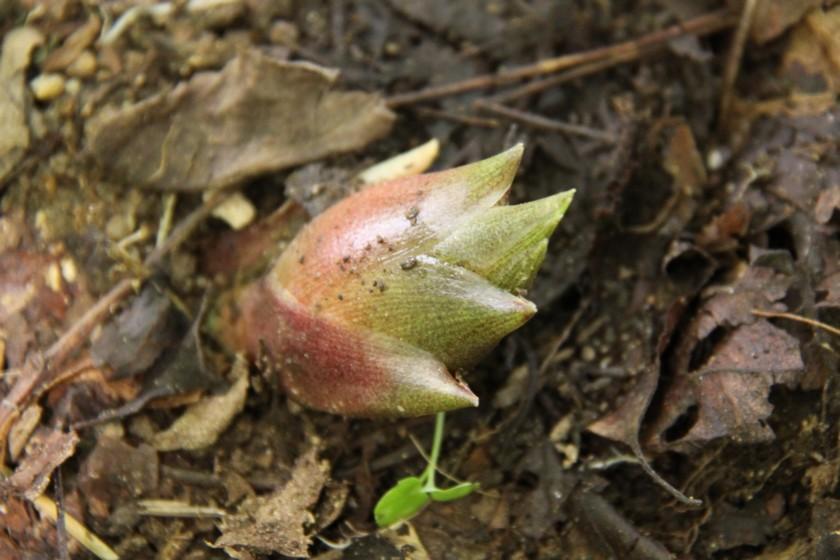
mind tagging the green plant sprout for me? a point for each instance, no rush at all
(411, 494)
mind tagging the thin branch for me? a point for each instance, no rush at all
(733, 60)
(544, 123)
(60, 523)
(676, 494)
(536, 86)
(47, 508)
(461, 118)
(798, 318)
(707, 23)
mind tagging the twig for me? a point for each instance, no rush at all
(208, 480)
(537, 86)
(560, 340)
(169, 201)
(676, 494)
(535, 382)
(131, 407)
(707, 23)
(177, 508)
(664, 212)
(445, 474)
(75, 529)
(614, 532)
(733, 60)
(544, 123)
(60, 523)
(798, 318)
(460, 118)
(419, 447)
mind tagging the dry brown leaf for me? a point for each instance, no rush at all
(682, 160)
(14, 140)
(722, 232)
(202, 424)
(116, 471)
(725, 394)
(544, 506)
(255, 116)
(45, 452)
(773, 17)
(758, 287)
(828, 202)
(625, 421)
(23, 534)
(279, 522)
(35, 297)
(812, 59)
(731, 390)
(135, 338)
(23, 428)
(830, 287)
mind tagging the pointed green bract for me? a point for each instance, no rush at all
(505, 244)
(444, 309)
(519, 272)
(327, 365)
(469, 191)
(391, 221)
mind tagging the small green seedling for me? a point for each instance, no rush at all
(411, 494)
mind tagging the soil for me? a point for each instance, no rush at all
(674, 397)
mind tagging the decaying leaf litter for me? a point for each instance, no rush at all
(688, 307)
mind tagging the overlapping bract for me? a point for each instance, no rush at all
(379, 298)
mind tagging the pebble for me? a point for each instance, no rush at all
(10, 234)
(119, 226)
(73, 86)
(84, 66)
(236, 210)
(283, 33)
(68, 270)
(46, 87)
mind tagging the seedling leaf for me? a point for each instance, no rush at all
(455, 493)
(401, 502)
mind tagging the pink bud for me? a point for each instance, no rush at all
(380, 297)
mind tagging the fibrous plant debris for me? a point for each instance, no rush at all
(278, 522)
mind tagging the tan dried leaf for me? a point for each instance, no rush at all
(14, 140)
(203, 422)
(255, 116)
